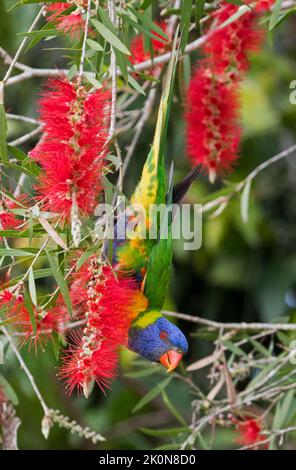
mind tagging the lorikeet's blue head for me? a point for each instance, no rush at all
(157, 339)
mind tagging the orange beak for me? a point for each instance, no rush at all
(170, 359)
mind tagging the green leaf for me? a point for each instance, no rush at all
(150, 24)
(152, 394)
(145, 4)
(259, 347)
(171, 407)
(234, 349)
(186, 70)
(282, 410)
(142, 28)
(275, 14)
(14, 252)
(22, 168)
(147, 26)
(17, 153)
(3, 132)
(163, 432)
(84, 257)
(8, 321)
(94, 45)
(8, 391)
(72, 72)
(94, 82)
(30, 308)
(110, 37)
(40, 33)
(168, 447)
(185, 23)
(55, 340)
(199, 11)
(264, 372)
(136, 85)
(32, 287)
(245, 197)
(56, 272)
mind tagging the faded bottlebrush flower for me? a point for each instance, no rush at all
(212, 130)
(212, 115)
(250, 430)
(138, 52)
(72, 149)
(71, 23)
(110, 304)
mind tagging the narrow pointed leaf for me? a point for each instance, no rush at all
(56, 272)
(152, 394)
(32, 287)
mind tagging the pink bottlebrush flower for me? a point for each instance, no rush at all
(138, 52)
(72, 23)
(71, 151)
(212, 130)
(110, 304)
(250, 430)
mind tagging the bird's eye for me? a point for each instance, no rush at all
(163, 335)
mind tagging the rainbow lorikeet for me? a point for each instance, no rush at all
(147, 260)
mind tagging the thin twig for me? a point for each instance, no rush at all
(83, 50)
(113, 70)
(232, 326)
(26, 370)
(223, 200)
(7, 59)
(18, 117)
(26, 137)
(139, 128)
(22, 45)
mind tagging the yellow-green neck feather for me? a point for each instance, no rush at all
(146, 318)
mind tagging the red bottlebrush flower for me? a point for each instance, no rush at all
(212, 130)
(71, 150)
(47, 322)
(250, 430)
(2, 397)
(138, 52)
(73, 23)
(9, 220)
(228, 48)
(111, 303)
(5, 297)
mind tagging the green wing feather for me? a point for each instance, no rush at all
(152, 186)
(160, 260)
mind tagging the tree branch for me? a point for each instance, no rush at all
(232, 326)
(9, 424)
(223, 200)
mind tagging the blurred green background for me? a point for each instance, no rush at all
(243, 272)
